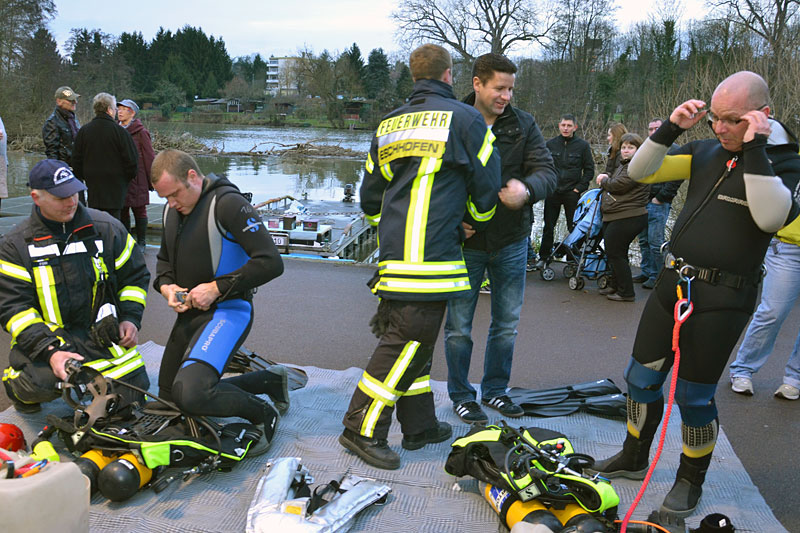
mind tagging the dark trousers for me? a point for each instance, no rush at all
(552, 209)
(398, 374)
(618, 236)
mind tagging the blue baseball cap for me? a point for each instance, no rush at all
(129, 104)
(55, 177)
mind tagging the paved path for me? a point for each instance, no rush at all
(317, 314)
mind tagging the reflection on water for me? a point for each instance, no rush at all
(266, 177)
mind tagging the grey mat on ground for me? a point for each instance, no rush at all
(424, 498)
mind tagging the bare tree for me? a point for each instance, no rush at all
(775, 21)
(471, 27)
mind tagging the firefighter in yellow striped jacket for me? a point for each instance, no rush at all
(431, 167)
(73, 285)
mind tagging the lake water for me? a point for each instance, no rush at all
(265, 176)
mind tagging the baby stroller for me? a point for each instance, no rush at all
(583, 252)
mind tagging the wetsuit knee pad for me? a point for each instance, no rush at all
(699, 441)
(193, 385)
(644, 384)
(696, 401)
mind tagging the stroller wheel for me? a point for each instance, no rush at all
(569, 271)
(548, 274)
(576, 283)
(602, 282)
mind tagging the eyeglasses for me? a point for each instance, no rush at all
(728, 122)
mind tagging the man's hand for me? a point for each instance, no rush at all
(655, 201)
(688, 113)
(204, 295)
(59, 360)
(468, 231)
(514, 194)
(600, 178)
(757, 125)
(128, 334)
(168, 292)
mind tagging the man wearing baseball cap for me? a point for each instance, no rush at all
(72, 286)
(61, 127)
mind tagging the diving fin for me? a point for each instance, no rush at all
(612, 405)
(556, 395)
(246, 360)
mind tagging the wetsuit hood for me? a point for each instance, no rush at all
(212, 182)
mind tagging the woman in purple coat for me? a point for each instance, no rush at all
(139, 189)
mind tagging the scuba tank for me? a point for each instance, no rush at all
(91, 463)
(123, 477)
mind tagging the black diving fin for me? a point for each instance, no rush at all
(556, 395)
(612, 405)
(245, 360)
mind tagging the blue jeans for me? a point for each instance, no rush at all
(778, 295)
(651, 239)
(506, 270)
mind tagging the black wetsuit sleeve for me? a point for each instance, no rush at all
(239, 219)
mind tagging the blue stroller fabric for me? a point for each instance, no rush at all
(582, 245)
(588, 218)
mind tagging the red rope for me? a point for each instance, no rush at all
(680, 318)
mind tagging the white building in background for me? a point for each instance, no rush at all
(281, 78)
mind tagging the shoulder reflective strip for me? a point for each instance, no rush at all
(487, 147)
(370, 164)
(419, 203)
(126, 253)
(386, 172)
(14, 271)
(76, 248)
(673, 168)
(106, 310)
(399, 267)
(477, 215)
(424, 286)
(416, 134)
(131, 293)
(377, 390)
(22, 320)
(46, 289)
(420, 386)
(373, 220)
(51, 250)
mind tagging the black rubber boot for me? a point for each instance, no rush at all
(375, 452)
(141, 232)
(685, 494)
(268, 424)
(439, 433)
(630, 463)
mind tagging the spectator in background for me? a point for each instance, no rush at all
(615, 133)
(105, 157)
(651, 239)
(624, 216)
(61, 127)
(3, 162)
(575, 166)
(139, 189)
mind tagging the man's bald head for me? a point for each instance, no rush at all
(747, 84)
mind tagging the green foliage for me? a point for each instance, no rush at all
(170, 95)
(376, 79)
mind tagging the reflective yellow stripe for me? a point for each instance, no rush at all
(487, 147)
(131, 293)
(126, 253)
(387, 388)
(377, 390)
(386, 172)
(417, 217)
(370, 165)
(22, 320)
(477, 215)
(424, 285)
(373, 220)
(430, 268)
(46, 290)
(10, 373)
(14, 271)
(124, 362)
(421, 385)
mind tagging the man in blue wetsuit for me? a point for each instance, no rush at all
(214, 252)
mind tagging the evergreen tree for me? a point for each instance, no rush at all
(377, 77)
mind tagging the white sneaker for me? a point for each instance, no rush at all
(742, 385)
(787, 392)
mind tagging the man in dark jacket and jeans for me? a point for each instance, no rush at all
(105, 157)
(527, 176)
(61, 127)
(575, 165)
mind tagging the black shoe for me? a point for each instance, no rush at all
(532, 265)
(649, 284)
(682, 499)
(440, 432)
(267, 428)
(607, 291)
(375, 452)
(280, 397)
(641, 278)
(470, 412)
(504, 405)
(616, 297)
(619, 466)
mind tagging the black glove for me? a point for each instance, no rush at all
(105, 331)
(379, 322)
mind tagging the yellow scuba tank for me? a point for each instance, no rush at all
(91, 463)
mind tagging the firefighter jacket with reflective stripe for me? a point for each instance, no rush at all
(431, 166)
(51, 279)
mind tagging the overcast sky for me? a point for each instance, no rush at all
(274, 27)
